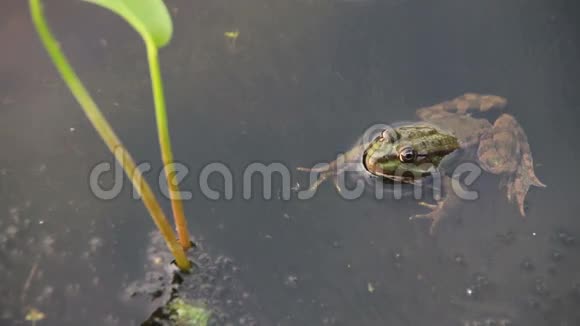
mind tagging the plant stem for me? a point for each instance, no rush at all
(165, 144)
(106, 132)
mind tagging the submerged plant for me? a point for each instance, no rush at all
(182, 313)
(152, 21)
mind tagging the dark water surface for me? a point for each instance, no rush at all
(301, 83)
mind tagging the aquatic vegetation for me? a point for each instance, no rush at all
(151, 20)
(187, 314)
(213, 287)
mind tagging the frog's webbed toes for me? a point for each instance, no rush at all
(435, 215)
(536, 182)
(318, 169)
(325, 172)
(520, 185)
(488, 102)
(336, 184)
(323, 178)
(323, 175)
(316, 184)
(480, 102)
(462, 105)
(430, 206)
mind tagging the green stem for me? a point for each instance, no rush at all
(106, 132)
(165, 144)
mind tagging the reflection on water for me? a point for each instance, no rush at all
(300, 84)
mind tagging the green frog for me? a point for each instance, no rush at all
(447, 134)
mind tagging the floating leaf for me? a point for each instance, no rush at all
(149, 17)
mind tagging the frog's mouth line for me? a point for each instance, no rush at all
(404, 178)
(408, 177)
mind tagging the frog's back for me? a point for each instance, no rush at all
(467, 129)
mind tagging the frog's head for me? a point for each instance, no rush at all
(408, 153)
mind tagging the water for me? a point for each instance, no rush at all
(300, 84)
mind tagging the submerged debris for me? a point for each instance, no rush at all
(566, 239)
(34, 315)
(527, 264)
(291, 281)
(233, 35)
(208, 295)
(370, 287)
(487, 322)
(459, 259)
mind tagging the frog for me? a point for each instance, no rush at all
(444, 135)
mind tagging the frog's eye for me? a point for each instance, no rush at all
(407, 155)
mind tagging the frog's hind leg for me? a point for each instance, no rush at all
(524, 176)
(462, 105)
(505, 150)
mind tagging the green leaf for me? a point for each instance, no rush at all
(149, 17)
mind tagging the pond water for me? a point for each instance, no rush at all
(300, 84)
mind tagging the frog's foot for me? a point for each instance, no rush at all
(441, 208)
(461, 105)
(325, 173)
(436, 214)
(518, 187)
(505, 151)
